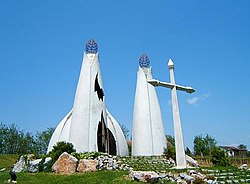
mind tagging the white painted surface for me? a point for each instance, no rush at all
(148, 136)
(179, 145)
(80, 125)
(121, 143)
(87, 107)
(61, 132)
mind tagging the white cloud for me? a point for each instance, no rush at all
(195, 100)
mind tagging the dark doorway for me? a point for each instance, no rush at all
(102, 136)
(112, 143)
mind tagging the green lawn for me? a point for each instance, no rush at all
(89, 178)
(7, 161)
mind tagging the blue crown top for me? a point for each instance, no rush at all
(91, 47)
(144, 61)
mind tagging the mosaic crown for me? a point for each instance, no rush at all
(144, 61)
(91, 47)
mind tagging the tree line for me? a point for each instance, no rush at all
(16, 141)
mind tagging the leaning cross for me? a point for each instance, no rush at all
(179, 146)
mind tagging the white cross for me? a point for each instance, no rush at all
(179, 146)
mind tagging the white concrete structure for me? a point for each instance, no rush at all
(86, 125)
(179, 146)
(61, 132)
(148, 135)
(116, 131)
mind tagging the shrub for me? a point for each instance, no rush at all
(59, 148)
(219, 157)
(40, 165)
(169, 152)
(198, 181)
(86, 155)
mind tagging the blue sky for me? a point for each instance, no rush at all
(42, 42)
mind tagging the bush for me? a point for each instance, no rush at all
(86, 155)
(40, 165)
(59, 148)
(219, 157)
(198, 181)
(169, 152)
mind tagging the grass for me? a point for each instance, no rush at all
(7, 161)
(119, 177)
(109, 177)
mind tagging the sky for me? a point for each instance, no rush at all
(42, 43)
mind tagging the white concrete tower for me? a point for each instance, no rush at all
(89, 114)
(86, 126)
(179, 146)
(148, 135)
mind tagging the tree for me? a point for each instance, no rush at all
(188, 151)
(242, 147)
(42, 140)
(12, 139)
(170, 140)
(3, 133)
(124, 130)
(203, 145)
(170, 152)
(26, 143)
(16, 141)
(219, 157)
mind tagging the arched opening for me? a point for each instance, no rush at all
(102, 136)
(111, 143)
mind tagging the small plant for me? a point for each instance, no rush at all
(219, 157)
(40, 165)
(86, 155)
(59, 148)
(198, 181)
(169, 152)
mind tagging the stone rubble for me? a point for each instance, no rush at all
(29, 163)
(20, 166)
(243, 166)
(3, 169)
(33, 165)
(144, 176)
(181, 178)
(108, 162)
(69, 164)
(191, 161)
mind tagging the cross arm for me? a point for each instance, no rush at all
(157, 83)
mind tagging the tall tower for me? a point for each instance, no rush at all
(148, 135)
(89, 114)
(86, 126)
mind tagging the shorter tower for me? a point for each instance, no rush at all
(148, 135)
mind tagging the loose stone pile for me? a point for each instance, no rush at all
(145, 169)
(229, 175)
(181, 178)
(67, 163)
(30, 163)
(109, 162)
